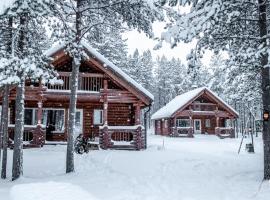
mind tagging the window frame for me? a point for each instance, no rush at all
(166, 123)
(81, 118)
(207, 123)
(64, 122)
(186, 120)
(101, 117)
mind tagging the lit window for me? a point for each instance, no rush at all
(207, 123)
(98, 117)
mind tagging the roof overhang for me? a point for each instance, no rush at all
(110, 69)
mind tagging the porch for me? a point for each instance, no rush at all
(198, 124)
(122, 137)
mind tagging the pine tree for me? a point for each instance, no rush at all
(109, 42)
(24, 62)
(239, 27)
(147, 66)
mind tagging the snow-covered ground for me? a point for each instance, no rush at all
(185, 169)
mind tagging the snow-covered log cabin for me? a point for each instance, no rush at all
(109, 104)
(199, 111)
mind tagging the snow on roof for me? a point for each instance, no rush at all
(106, 63)
(4, 5)
(181, 100)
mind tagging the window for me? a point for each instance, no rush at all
(30, 116)
(79, 121)
(158, 124)
(54, 119)
(228, 123)
(98, 117)
(207, 123)
(182, 122)
(166, 123)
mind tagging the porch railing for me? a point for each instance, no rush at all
(87, 82)
(224, 132)
(29, 133)
(121, 135)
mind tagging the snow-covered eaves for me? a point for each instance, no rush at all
(106, 63)
(182, 100)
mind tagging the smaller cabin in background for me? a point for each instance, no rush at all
(199, 111)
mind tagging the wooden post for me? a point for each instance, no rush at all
(106, 140)
(174, 131)
(138, 135)
(138, 113)
(39, 134)
(39, 113)
(191, 130)
(105, 103)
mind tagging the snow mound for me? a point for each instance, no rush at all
(49, 191)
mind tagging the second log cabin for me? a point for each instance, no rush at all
(199, 111)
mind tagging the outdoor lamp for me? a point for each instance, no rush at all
(266, 115)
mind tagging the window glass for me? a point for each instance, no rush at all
(158, 124)
(59, 120)
(98, 117)
(183, 123)
(78, 122)
(166, 123)
(28, 117)
(207, 123)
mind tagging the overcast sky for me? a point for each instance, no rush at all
(140, 41)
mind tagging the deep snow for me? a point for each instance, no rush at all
(204, 167)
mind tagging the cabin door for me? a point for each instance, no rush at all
(197, 126)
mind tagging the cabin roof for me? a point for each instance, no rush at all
(184, 99)
(106, 63)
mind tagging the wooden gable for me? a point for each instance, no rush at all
(206, 98)
(116, 84)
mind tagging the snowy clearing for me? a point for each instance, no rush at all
(186, 169)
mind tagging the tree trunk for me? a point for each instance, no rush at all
(17, 168)
(73, 94)
(5, 130)
(1, 132)
(72, 114)
(265, 85)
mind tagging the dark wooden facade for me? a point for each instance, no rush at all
(205, 113)
(103, 94)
